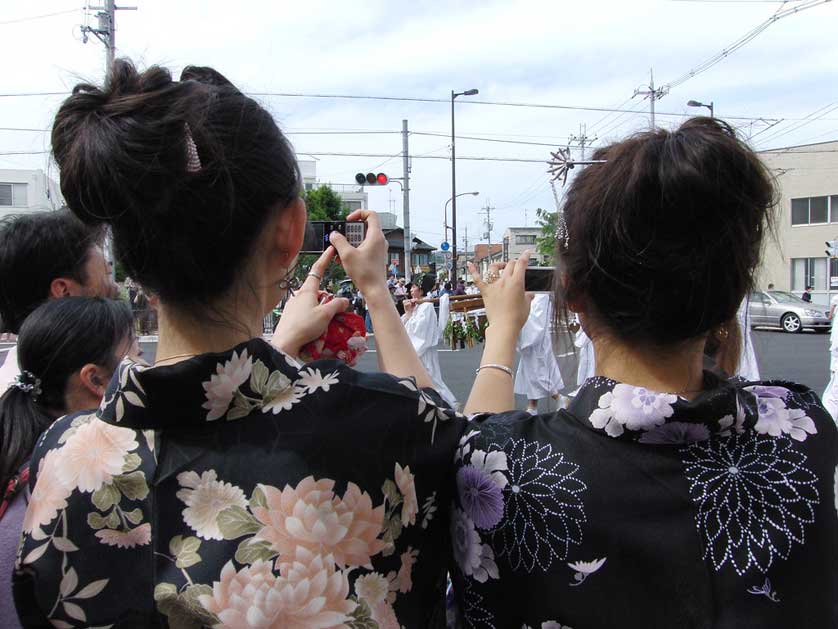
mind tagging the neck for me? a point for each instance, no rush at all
(669, 370)
(182, 335)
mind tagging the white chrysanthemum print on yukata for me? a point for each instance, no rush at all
(205, 498)
(223, 385)
(309, 592)
(635, 408)
(407, 488)
(584, 569)
(311, 380)
(49, 496)
(776, 418)
(372, 587)
(475, 559)
(754, 497)
(94, 455)
(544, 509)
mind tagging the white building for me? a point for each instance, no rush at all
(354, 196)
(24, 191)
(516, 240)
(807, 216)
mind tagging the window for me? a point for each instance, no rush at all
(351, 206)
(814, 210)
(13, 194)
(808, 271)
(420, 259)
(523, 239)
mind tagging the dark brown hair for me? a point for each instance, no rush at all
(122, 151)
(665, 236)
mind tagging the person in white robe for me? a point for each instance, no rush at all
(423, 328)
(830, 395)
(538, 374)
(748, 367)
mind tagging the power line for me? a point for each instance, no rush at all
(809, 119)
(39, 17)
(747, 37)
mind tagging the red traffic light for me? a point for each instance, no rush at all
(372, 179)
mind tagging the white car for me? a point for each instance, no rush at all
(778, 308)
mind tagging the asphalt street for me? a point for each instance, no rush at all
(802, 358)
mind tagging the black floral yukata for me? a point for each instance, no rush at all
(642, 509)
(242, 490)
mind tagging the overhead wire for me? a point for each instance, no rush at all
(39, 17)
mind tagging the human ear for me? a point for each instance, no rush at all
(93, 380)
(63, 287)
(291, 229)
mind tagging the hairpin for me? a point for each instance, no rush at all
(562, 162)
(27, 382)
(193, 161)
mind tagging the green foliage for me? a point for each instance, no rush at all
(548, 221)
(324, 204)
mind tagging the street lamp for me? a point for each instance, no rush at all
(454, 194)
(445, 219)
(695, 103)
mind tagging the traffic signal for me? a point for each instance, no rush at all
(832, 248)
(372, 179)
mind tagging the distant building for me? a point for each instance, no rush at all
(516, 240)
(485, 254)
(354, 196)
(421, 252)
(807, 216)
(23, 191)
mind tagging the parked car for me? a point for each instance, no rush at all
(779, 308)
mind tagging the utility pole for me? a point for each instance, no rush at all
(488, 233)
(106, 29)
(582, 138)
(408, 241)
(653, 95)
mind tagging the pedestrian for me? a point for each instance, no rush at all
(400, 292)
(830, 394)
(68, 350)
(461, 288)
(747, 367)
(448, 290)
(229, 484)
(807, 294)
(420, 321)
(716, 495)
(538, 375)
(771, 287)
(46, 255)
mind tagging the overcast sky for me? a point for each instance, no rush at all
(560, 52)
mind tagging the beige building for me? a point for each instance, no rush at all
(518, 239)
(23, 191)
(807, 216)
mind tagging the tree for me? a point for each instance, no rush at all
(548, 221)
(324, 204)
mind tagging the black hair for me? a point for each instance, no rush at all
(56, 340)
(665, 236)
(426, 284)
(185, 233)
(35, 249)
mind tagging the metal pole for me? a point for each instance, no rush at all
(711, 110)
(110, 44)
(406, 204)
(453, 189)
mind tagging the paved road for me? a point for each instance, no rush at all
(802, 358)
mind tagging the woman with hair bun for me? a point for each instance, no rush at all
(665, 495)
(228, 484)
(68, 348)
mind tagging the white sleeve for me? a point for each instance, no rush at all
(537, 322)
(422, 328)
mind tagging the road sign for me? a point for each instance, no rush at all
(447, 255)
(445, 246)
(449, 265)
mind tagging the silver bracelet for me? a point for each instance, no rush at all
(503, 368)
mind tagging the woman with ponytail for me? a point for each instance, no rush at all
(67, 350)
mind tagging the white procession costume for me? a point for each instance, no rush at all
(538, 373)
(424, 331)
(748, 367)
(830, 395)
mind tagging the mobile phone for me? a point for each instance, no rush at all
(317, 234)
(538, 279)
